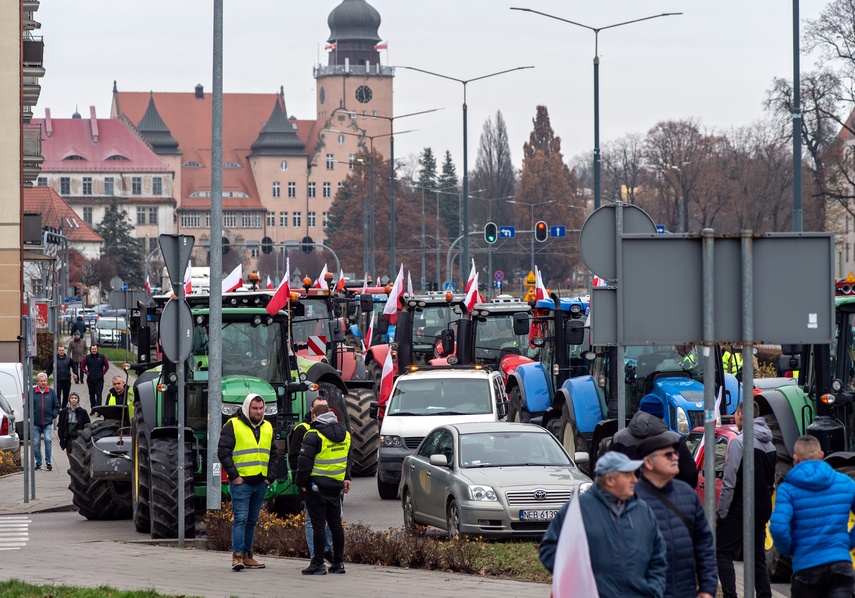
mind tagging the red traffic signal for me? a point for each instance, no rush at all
(541, 231)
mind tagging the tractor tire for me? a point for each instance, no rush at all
(375, 374)
(780, 566)
(364, 433)
(569, 435)
(96, 499)
(335, 399)
(163, 455)
(141, 477)
(516, 412)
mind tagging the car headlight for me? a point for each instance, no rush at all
(584, 487)
(484, 493)
(682, 422)
(230, 410)
(390, 440)
(271, 409)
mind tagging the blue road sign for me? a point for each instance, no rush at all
(124, 286)
(507, 232)
(73, 300)
(557, 231)
(448, 285)
(499, 275)
(660, 228)
(497, 284)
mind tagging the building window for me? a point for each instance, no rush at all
(87, 216)
(330, 161)
(136, 185)
(191, 164)
(341, 139)
(140, 215)
(283, 165)
(190, 220)
(65, 185)
(277, 192)
(340, 185)
(327, 190)
(87, 185)
(253, 250)
(152, 244)
(41, 181)
(312, 192)
(207, 219)
(157, 185)
(230, 219)
(326, 219)
(250, 220)
(271, 219)
(231, 165)
(292, 189)
(364, 114)
(298, 219)
(374, 114)
(108, 186)
(283, 219)
(152, 215)
(311, 219)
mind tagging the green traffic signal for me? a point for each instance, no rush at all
(491, 232)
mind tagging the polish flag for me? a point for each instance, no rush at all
(409, 285)
(234, 280)
(539, 289)
(472, 296)
(283, 293)
(391, 308)
(147, 286)
(321, 282)
(572, 574)
(340, 285)
(366, 345)
(599, 282)
(188, 283)
(330, 46)
(382, 46)
(269, 282)
(471, 277)
(386, 380)
(365, 283)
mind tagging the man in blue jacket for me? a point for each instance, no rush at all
(689, 545)
(809, 523)
(627, 551)
(45, 410)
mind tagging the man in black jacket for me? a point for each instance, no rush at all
(323, 474)
(95, 366)
(65, 367)
(689, 545)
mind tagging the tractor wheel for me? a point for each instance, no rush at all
(96, 499)
(375, 373)
(364, 433)
(141, 477)
(335, 399)
(516, 412)
(569, 435)
(164, 455)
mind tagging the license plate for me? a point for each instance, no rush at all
(543, 515)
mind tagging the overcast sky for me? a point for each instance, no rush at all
(714, 62)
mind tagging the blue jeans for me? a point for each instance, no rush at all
(38, 433)
(310, 535)
(246, 505)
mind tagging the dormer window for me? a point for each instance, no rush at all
(117, 157)
(74, 157)
(231, 165)
(191, 164)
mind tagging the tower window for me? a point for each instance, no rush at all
(330, 161)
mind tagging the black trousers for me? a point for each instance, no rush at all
(63, 388)
(729, 545)
(96, 388)
(325, 509)
(832, 580)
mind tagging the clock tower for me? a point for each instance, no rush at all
(354, 80)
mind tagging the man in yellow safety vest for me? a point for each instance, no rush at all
(322, 475)
(247, 452)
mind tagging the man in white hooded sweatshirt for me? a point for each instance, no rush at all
(247, 452)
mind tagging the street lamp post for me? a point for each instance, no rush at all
(596, 31)
(465, 144)
(532, 206)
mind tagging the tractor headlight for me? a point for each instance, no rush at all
(682, 422)
(390, 440)
(230, 409)
(482, 493)
(271, 409)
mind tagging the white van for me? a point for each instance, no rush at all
(421, 401)
(12, 389)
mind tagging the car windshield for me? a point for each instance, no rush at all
(437, 396)
(508, 449)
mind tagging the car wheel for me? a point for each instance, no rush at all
(410, 524)
(452, 519)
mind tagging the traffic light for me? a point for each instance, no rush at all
(267, 245)
(225, 246)
(491, 232)
(541, 231)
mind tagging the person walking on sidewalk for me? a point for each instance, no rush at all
(45, 410)
(809, 523)
(77, 352)
(247, 452)
(323, 474)
(95, 366)
(72, 419)
(79, 326)
(65, 368)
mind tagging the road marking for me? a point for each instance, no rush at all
(14, 532)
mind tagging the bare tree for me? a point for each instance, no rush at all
(622, 163)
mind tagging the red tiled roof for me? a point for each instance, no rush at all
(189, 121)
(48, 203)
(74, 136)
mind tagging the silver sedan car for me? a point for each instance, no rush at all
(9, 440)
(488, 479)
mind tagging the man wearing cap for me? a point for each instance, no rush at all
(689, 545)
(626, 547)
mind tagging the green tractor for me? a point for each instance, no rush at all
(127, 464)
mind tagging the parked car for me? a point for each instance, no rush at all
(488, 479)
(89, 316)
(9, 439)
(112, 332)
(12, 390)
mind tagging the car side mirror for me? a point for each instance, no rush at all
(581, 457)
(381, 325)
(574, 332)
(373, 409)
(447, 342)
(439, 460)
(521, 323)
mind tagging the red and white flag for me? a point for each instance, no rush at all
(392, 303)
(382, 46)
(283, 292)
(472, 296)
(539, 288)
(599, 282)
(340, 285)
(409, 285)
(321, 282)
(147, 286)
(572, 574)
(188, 279)
(234, 280)
(269, 282)
(367, 344)
(365, 283)
(386, 380)
(330, 46)
(471, 277)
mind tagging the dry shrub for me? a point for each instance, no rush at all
(273, 535)
(10, 462)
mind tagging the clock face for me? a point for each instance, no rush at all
(322, 95)
(363, 94)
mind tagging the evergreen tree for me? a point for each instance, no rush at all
(427, 169)
(449, 204)
(120, 246)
